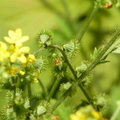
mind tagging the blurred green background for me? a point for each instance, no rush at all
(33, 16)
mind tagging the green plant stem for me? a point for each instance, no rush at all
(73, 72)
(67, 13)
(29, 89)
(85, 93)
(52, 8)
(55, 85)
(66, 60)
(99, 57)
(14, 90)
(61, 99)
(43, 88)
(116, 113)
(90, 67)
(39, 51)
(81, 33)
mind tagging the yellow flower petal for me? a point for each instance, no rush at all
(24, 50)
(7, 39)
(31, 58)
(24, 38)
(18, 44)
(18, 33)
(11, 34)
(22, 59)
(13, 57)
(95, 114)
(3, 46)
(22, 72)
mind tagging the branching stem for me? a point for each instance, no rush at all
(81, 33)
(66, 60)
(90, 67)
(43, 88)
(52, 91)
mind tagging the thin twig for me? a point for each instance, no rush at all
(68, 16)
(43, 88)
(55, 85)
(82, 32)
(66, 60)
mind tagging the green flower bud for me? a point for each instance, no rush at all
(101, 101)
(67, 85)
(81, 68)
(27, 104)
(41, 110)
(45, 38)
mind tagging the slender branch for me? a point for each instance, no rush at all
(62, 98)
(99, 57)
(81, 33)
(90, 67)
(116, 113)
(66, 60)
(67, 12)
(57, 12)
(52, 8)
(40, 50)
(73, 72)
(85, 93)
(43, 88)
(29, 89)
(55, 85)
(14, 90)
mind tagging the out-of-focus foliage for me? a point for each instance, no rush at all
(32, 16)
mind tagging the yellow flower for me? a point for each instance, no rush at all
(95, 114)
(78, 116)
(4, 53)
(35, 80)
(11, 70)
(85, 113)
(22, 72)
(18, 54)
(16, 37)
(31, 58)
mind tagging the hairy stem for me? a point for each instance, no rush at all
(90, 67)
(55, 85)
(100, 56)
(67, 13)
(29, 89)
(51, 7)
(81, 33)
(14, 90)
(116, 113)
(43, 88)
(66, 60)
(67, 19)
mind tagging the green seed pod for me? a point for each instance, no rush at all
(71, 48)
(40, 64)
(27, 103)
(81, 69)
(45, 38)
(101, 101)
(41, 110)
(67, 85)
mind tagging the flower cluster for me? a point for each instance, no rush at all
(85, 113)
(14, 52)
